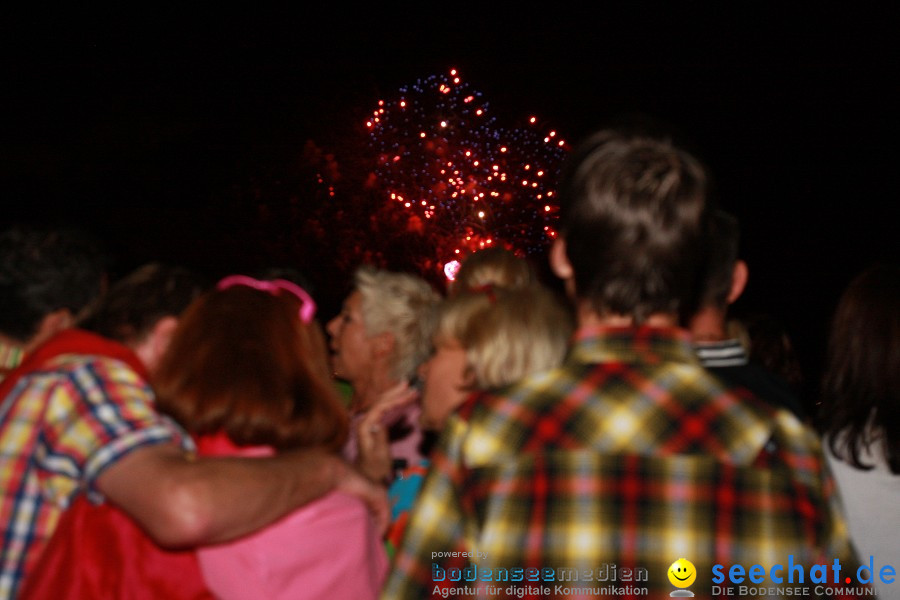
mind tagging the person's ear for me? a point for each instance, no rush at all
(56, 321)
(739, 276)
(162, 333)
(155, 344)
(559, 261)
(561, 267)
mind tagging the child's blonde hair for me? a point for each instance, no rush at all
(506, 333)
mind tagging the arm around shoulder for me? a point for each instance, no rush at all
(183, 501)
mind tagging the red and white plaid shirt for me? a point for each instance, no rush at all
(73, 407)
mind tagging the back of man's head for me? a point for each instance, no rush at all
(43, 271)
(135, 303)
(633, 216)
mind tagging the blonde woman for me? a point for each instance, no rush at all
(486, 339)
(489, 338)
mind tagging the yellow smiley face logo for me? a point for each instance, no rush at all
(682, 573)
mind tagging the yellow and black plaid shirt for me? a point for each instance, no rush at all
(608, 470)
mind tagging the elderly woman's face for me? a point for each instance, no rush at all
(351, 346)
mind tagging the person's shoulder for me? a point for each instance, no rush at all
(737, 424)
(496, 423)
(93, 381)
(765, 384)
(788, 433)
(762, 402)
(91, 367)
(541, 388)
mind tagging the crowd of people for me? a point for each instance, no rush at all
(162, 436)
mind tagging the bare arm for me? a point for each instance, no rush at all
(181, 501)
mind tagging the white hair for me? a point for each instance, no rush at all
(403, 305)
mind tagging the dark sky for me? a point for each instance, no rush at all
(105, 117)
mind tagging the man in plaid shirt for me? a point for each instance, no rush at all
(594, 478)
(77, 417)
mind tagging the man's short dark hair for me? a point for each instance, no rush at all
(136, 302)
(724, 248)
(633, 216)
(43, 270)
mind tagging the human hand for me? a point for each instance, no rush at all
(374, 459)
(373, 494)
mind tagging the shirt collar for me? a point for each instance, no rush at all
(727, 353)
(632, 343)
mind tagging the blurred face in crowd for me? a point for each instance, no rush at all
(446, 383)
(352, 348)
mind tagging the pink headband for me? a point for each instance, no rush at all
(307, 305)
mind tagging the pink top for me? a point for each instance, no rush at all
(328, 548)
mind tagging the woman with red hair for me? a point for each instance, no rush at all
(247, 374)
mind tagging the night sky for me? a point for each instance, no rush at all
(127, 123)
